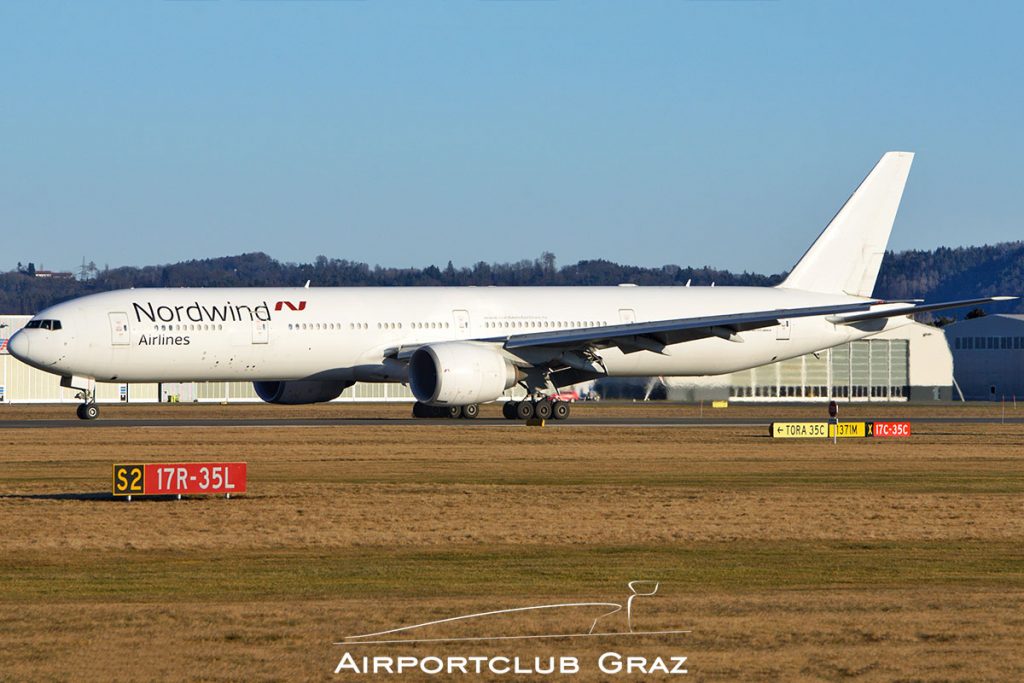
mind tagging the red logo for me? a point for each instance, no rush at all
(279, 306)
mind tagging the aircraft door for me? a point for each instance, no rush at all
(260, 331)
(119, 332)
(461, 319)
(627, 316)
(783, 331)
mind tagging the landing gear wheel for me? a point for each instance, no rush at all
(542, 409)
(87, 411)
(508, 410)
(471, 411)
(524, 410)
(454, 412)
(421, 410)
(560, 410)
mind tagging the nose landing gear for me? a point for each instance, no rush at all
(87, 411)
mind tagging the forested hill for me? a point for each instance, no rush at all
(934, 275)
(959, 273)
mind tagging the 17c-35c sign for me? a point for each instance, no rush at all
(189, 478)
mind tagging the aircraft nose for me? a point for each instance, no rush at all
(18, 345)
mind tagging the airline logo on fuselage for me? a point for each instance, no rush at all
(280, 305)
(199, 313)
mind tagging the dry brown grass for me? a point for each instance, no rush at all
(869, 560)
(611, 409)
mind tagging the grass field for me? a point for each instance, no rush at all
(868, 560)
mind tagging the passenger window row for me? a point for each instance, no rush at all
(366, 326)
(545, 324)
(319, 326)
(190, 327)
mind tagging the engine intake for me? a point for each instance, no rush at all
(299, 391)
(459, 373)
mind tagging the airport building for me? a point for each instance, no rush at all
(988, 355)
(912, 362)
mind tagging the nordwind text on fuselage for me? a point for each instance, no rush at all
(198, 313)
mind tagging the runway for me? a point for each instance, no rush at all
(622, 422)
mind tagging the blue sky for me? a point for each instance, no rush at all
(411, 133)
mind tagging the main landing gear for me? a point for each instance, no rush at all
(543, 408)
(467, 412)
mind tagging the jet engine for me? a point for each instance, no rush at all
(459, 373)
(301, 391)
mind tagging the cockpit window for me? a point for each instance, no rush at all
(44, 324)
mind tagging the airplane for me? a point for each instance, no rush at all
(458, 347)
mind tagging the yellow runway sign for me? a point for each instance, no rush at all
(849, 429)
(818, 430)
(799, 430)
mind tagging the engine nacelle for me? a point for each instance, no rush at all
(459, 373)
(300, 391)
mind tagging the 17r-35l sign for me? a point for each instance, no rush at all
(188, 478)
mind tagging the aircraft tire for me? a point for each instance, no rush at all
(560, 410)
(524, 410)
(471, 411)
(508, 410)
(454, 412)
(90, 411)
(542, 409)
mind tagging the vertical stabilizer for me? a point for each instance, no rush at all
(847, 255)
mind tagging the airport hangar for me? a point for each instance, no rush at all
(909, 363)
(988, 355)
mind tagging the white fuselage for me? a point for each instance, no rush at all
(252, 334)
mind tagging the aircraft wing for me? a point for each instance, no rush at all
(656, 335)
(903, 308)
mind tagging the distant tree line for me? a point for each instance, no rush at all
(940, 274)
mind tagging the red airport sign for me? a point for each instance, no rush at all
(890, 430)
(187, 478)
